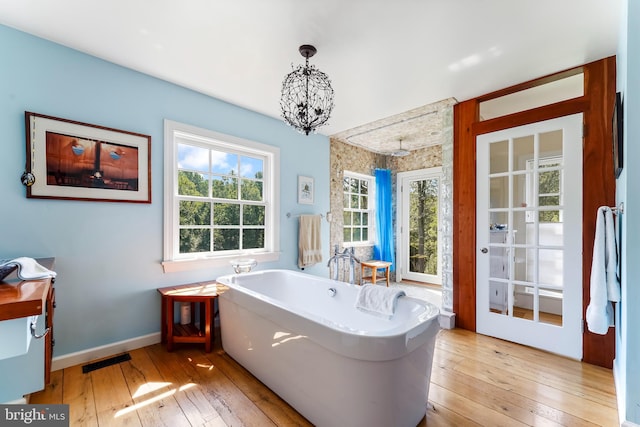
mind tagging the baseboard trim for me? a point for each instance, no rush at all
(84, 356)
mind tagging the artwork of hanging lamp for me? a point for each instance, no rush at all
(307, 95)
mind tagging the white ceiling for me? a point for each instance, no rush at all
(383, 57)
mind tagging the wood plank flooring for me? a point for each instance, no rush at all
(476, 381)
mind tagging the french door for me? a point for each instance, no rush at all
(418, 222)
(529, 235)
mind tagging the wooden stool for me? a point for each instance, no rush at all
(374, 265)
(202, 293)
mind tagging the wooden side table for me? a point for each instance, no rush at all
(203, 293)
(375, 265)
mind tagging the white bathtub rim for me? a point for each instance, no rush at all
(339, 340)
(430, 310)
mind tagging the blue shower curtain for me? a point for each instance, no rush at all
(383, 249)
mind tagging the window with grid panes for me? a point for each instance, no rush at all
(221, 198)
(358, 204)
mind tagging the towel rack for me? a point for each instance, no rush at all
(290, 215)
(618, 209)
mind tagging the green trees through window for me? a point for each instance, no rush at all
(423, 226)
(221, 200)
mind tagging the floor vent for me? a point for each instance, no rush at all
(106, 362)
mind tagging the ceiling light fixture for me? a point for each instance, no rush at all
(400, 152)
(307, 95)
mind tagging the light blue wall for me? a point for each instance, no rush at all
(108, 254)
(627, 363)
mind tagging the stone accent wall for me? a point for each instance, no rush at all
(355, 159)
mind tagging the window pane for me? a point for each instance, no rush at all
(550, 266)
(345, 200)
(250, 167)
(253, 215)
(364, 202)
(226, 214)
(346, 217)
(364, 187)
(192, 184)
(365, 218)
(194, 240)
(193, 158)
(551, 234)
(195, 213)
(551, 145)
(549, 201)
(251, 190)
(355, 185)
(549, 182)
(354, 201)
(499, 157)
(522, 150)
(345, 184)
(226, 239)
(365, 234)
(520, 190)
(356, 234)
(549, 216)
(498, 192)
(224, 163)
(253, 239)
(357, 218)
(347, 234)
(225, 188)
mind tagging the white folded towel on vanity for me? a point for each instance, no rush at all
(605, 283)
(378, 300)
(29, 269)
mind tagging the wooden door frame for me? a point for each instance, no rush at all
(598, 183)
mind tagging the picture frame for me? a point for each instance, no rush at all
(306, 190)
(617, 135)
(72, 160)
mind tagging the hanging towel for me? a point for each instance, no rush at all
(378, 300)
(309, 241)
(605, 283)
(29, 269)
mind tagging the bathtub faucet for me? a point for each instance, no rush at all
(346, 254)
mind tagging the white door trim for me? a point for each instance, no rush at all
(402, 230)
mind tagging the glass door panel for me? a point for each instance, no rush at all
(529, 228)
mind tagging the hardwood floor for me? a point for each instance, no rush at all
(475, 380)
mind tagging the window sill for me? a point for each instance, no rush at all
(357, 244)
(173, 266)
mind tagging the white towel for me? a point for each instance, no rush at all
(29, 269)
(378, 300)
(605, 283)
(309, 241)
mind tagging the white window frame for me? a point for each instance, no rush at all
(371, 209)
(174, 133)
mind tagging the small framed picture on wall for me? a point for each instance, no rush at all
(305, 190)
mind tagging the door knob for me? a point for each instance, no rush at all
(484, 250)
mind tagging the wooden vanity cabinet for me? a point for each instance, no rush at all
(25, 298)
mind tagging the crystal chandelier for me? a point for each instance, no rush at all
(307, 96)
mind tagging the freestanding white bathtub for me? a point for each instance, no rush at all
(333, 363)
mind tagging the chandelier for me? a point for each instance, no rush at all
(307, 96)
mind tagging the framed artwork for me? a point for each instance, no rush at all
(79, 161)
(305, 190)
(616, 122)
